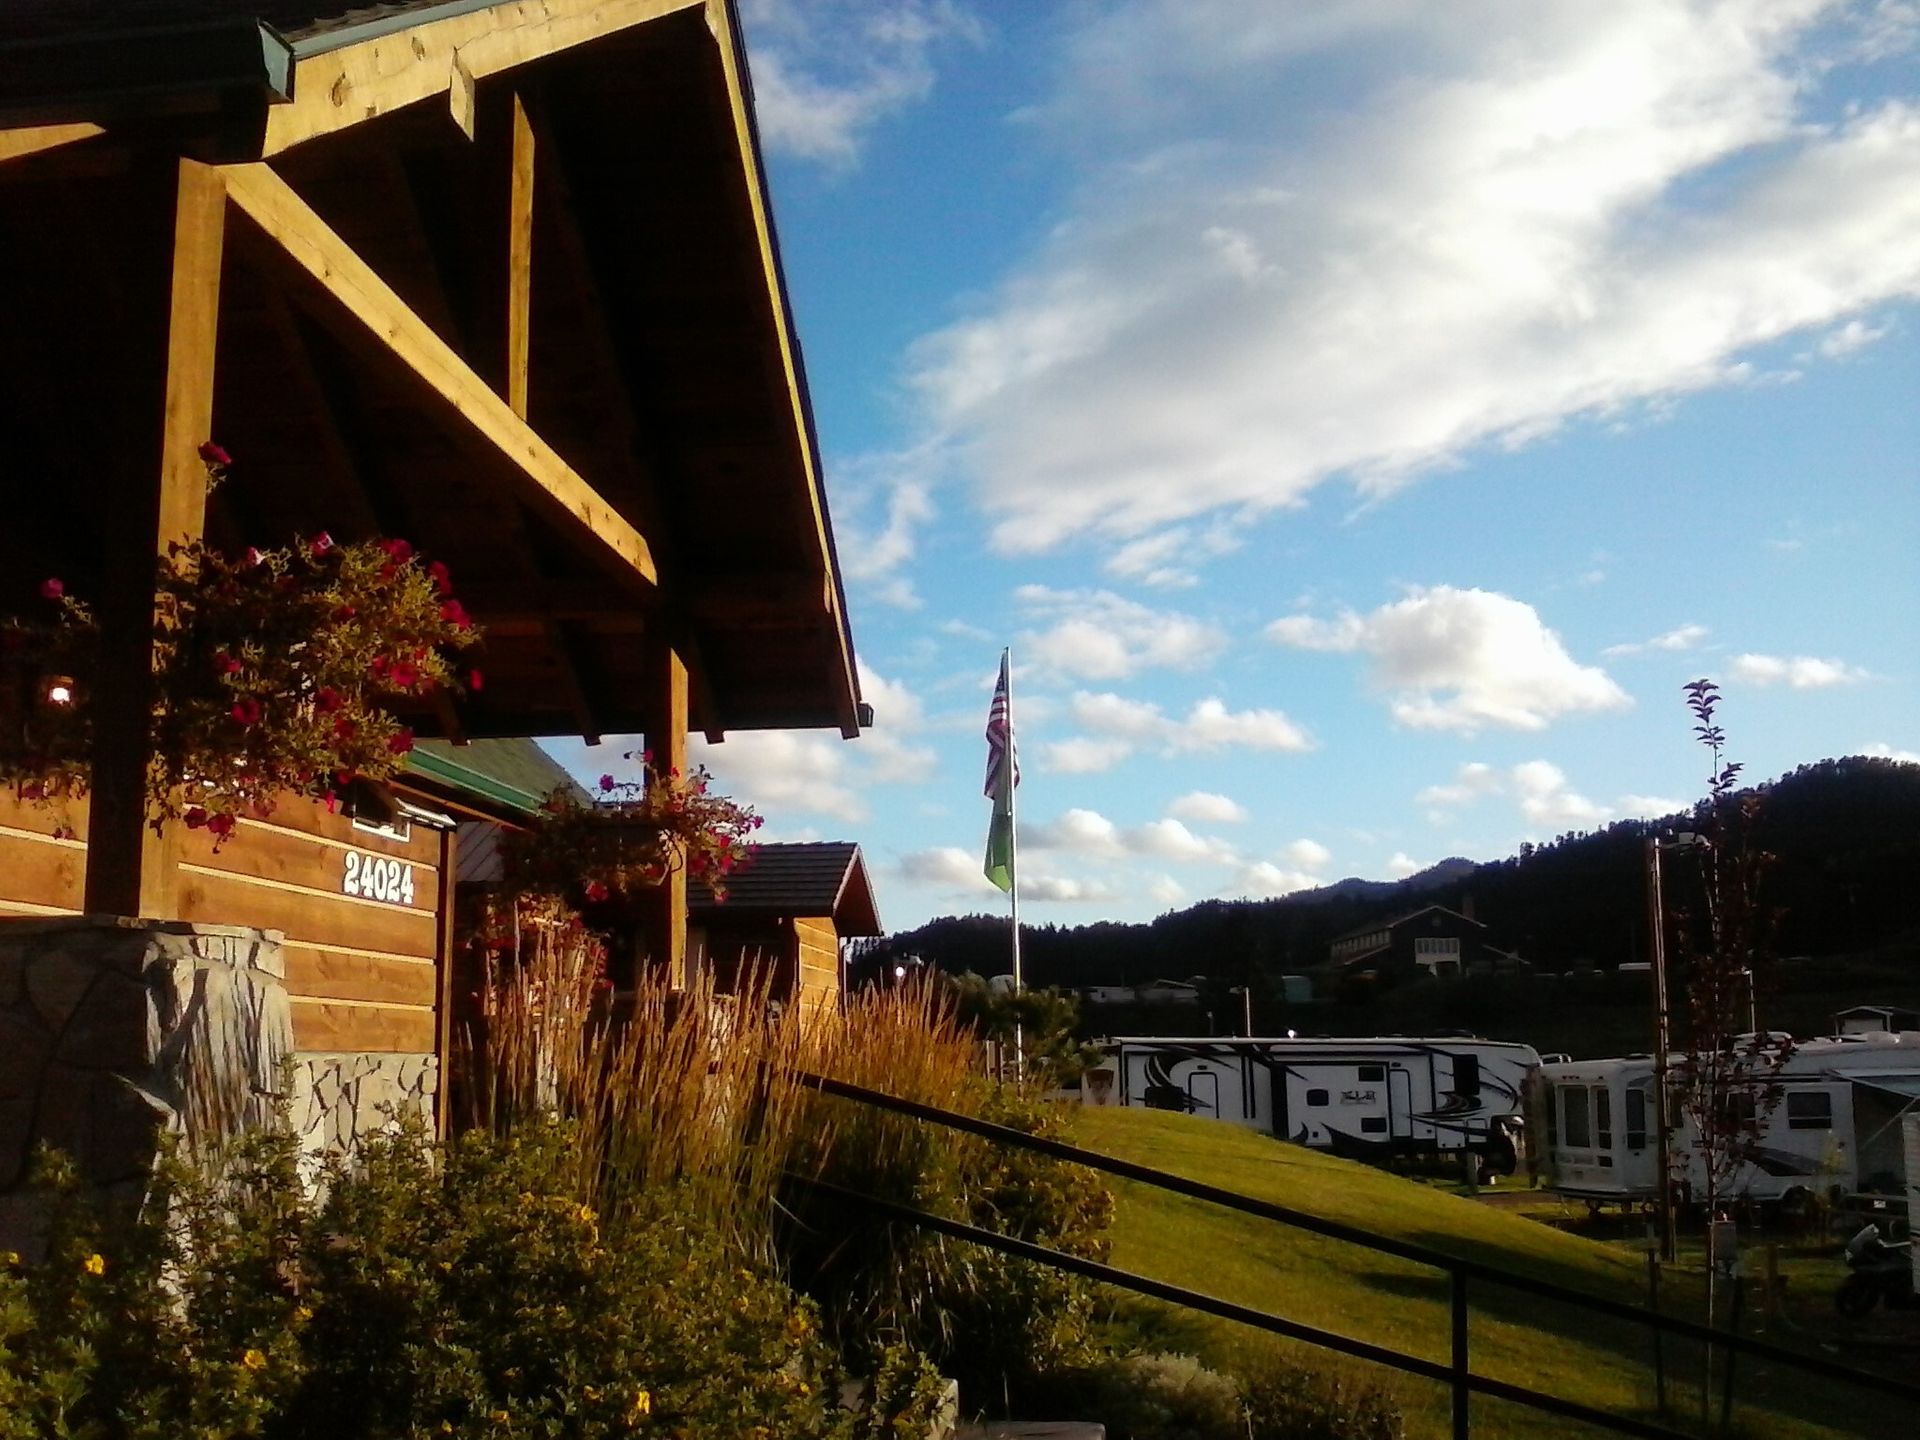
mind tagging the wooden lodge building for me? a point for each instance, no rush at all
(497, 278)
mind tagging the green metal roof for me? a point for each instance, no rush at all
(515, 773)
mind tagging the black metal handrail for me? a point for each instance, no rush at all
(1457, 1374)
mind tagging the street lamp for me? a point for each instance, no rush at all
(1245, 992)
(1657, 953)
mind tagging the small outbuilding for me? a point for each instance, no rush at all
(788, 910)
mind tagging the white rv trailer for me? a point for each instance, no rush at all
(1367, 1099)
(1836, 1126)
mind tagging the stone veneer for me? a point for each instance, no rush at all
(114, 1032)
(339, 1098)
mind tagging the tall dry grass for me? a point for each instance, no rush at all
(685, 1096)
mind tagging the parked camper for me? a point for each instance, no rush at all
(1836, 1126)
(1365, 1099)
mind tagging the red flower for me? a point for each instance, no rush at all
(455, 614)
(195, 818)
(442, 578)
(327, 700)
(606, 783)
(398, 551)
(344, 726)
(52, 589)
(596, 892)
(400, 742)
(476, 682)
(246, 710)
(225, 664)
(333, 802)
(344, 613)
(214, 454)
(379, 666)
(320, 544)
(220, 825)
(404, 676)
(252, 558)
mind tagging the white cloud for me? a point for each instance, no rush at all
(1545, 798)
(827, 71)
(1402, 865)
(1471, 781)
(1085, 832)
(1649, 807)
(1852, 336)
(1089, 833)
(1503, 219)
(1307, 855)
(1171, 558)
(1541, 793)
(949, 868)
(1265, 880)
(1062, 889)
(1097, 635)
(1122, 725)
(1082, 755)
(1207, 808)
(1684, 637)
(1451, 659)
(1170, 840)
(1797, 672)
(1887, 752)
(780, 771)
(1165, 890)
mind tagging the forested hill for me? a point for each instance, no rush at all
(1845, 835)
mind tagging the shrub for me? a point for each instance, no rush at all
(1286, 1402)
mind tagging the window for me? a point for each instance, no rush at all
(1576, 1120)
(1433, 945)
(1317, 1097)
(1466, 1074)
(1374, 1125)
(1603, 1116)
(1636, 1119)
(1809, 1110)
(1375, 1074)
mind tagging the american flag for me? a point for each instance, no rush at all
(1000, 743)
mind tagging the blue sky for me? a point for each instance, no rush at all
(1360, 418)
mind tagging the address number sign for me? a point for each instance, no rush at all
(375, 877)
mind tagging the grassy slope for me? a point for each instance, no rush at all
(1375, 1297)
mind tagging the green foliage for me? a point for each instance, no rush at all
(1047, 1022)
(466, 1291)
(1284, 1402)
(1163, 1396)
(275, 675)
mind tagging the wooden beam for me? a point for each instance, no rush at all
(34, 139)
(160, 497)
(666, 739)
(553, 485)
(355, 83)
(519, 258)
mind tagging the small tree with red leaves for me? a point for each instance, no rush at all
(631, 837)
(276, 673)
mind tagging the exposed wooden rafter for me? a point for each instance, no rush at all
(554, 487)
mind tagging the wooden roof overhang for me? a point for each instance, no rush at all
(497, 278)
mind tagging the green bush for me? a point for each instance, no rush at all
(467, 1291)
(1286, 1402)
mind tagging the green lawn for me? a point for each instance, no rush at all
(1374, 1297)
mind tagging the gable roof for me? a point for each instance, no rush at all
(1399, 920)
(511, 775)
(817, 878)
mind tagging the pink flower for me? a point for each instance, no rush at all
(320, 544)
(442, 578)
(345, 613)
(606, 783)
(398, 551)
(596, 892)
(476, 681)
(252, 558)
(195, 818)
(52, 589)
(379, 666)
(403, 676)
(327, 700)
(400, 742)
(345, 726)
(214, 454)
(455, 614)
(246, 710)
(225, 664)
(220, 825)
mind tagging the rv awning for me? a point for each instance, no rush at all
(1901, 1087)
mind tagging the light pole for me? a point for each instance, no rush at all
(1662, 1044)
(1245, 992)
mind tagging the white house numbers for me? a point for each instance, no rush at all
(375, 877)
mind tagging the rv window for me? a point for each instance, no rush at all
(1466, 1074)
(1316, 1097)
(1603, 1116)
(1373, 1125)
(1809, 1110)
(1636, 1119)
(1375, 1074)
(1576, 1123)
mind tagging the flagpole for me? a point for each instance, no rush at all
(1013, 867)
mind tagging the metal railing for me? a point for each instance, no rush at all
(1457, 1374)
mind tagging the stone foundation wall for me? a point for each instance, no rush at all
(339, 1098)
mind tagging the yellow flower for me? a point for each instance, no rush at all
(302, 1314)
(642, 1406)
(501, 1417)
(591, 1392)
(254, 1360)
(585, 1215)
(9, 1258)
(95, 1265)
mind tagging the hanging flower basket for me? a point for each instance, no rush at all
(631, 838)
(276, 674)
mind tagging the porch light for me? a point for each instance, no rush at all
(59, 690)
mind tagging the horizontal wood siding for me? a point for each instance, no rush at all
(817, 949)
(38, 874)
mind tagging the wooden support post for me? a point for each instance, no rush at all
(159, 497)
(519, 258)
(666, 739)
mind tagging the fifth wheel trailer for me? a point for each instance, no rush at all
(1366, 1099)
(1836, 1125)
